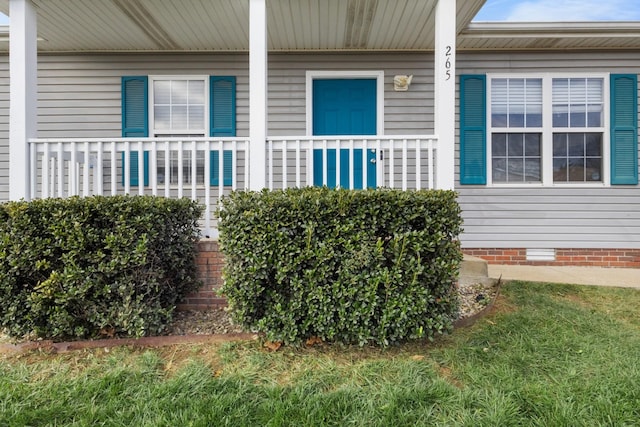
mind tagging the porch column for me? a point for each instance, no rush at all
(257, 93)
(445, 92)
(23, 94)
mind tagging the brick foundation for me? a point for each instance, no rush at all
(619, 258)
(209, 261)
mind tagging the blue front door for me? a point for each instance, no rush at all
(344, 107)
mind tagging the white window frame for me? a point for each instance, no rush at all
(207, 101)
(548, 130)
(169, 133)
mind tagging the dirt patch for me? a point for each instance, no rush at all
(446, 373)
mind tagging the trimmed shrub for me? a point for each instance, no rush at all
(86, 267)
(373, 266)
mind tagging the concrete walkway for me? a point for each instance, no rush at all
(617, 277)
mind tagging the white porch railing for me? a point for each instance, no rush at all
(169, 167)
(405, 162)
(179, 167)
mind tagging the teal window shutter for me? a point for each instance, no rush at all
(222, 123)
(133, 168)
(135, 121)
(227, 165)
(223, 105)
(473, 129)
(624, 129)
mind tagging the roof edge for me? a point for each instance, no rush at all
(558, 26)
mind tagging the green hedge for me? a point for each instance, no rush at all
(375, 266)
(86, 267)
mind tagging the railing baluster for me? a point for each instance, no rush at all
(418, 164)
(33, 163)
(60, 170)
(85, 172)
(220, 170)
(207, 188)
(247, 156)
(325, 166)
(113, 169)
(284, 165)
(45, 172)
(309, 163)
(194, 165)
(379, 163)
(153, 167)
(338, 149)
(404, 164)
(167, 170)
(180, 170)
(365, 164)
(352, 165)
(141, 182)
(298, 161)
(392, 161)
(234, 162)
(98, 171)
(126, 165)
(431, 172)
(73, 177)
(270, 184)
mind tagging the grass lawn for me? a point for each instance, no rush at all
(549, 355)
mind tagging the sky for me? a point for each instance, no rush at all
(560, 10)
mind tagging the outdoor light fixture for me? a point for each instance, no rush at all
(401, 83)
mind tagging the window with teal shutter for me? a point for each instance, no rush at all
(135, 122)
(624, 129)
(223, 123)
(473, 133)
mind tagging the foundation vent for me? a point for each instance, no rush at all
(541, 254)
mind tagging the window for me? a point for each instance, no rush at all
(578, 106)
(179, 109)
(546, 130)
(180, 106)
(516, 118)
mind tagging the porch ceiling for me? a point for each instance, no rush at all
(223, 25)
(297, 25)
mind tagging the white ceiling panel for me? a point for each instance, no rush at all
(223, 25)
(297, 25)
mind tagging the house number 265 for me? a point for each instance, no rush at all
(447, 63)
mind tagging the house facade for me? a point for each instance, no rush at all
(534, 125)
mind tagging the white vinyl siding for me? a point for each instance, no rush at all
(79, 96)
(572, 216)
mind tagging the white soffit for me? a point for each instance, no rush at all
(223, 25)
(550, 36)
(299, 25)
